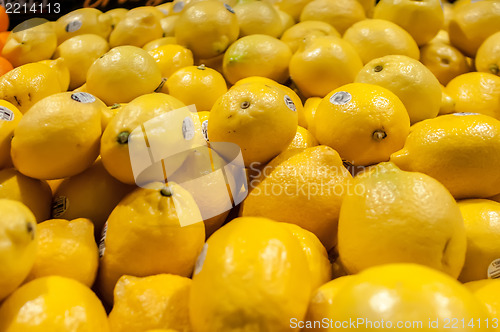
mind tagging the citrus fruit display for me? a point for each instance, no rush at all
(249, 165)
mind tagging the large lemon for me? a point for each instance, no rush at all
(139, 26)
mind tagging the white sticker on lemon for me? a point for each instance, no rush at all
(83, 97)
(204, 129)
(73, 26)
(340, 98)
(494, 269)
(178, 7)
(102, 244)
(201, 259)
(290, 104)
(59, 206)
(6, 114)
(465, 113)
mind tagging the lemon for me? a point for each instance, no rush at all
(303, 139)
(291, 7)
(377, 38)
(114, 142)
(122, 74)
(297, 35)
(400, 217)
(79, 53)
(444, 61)
(138, 27)
(260, 119)
(410, 80)
(316, 255)
(68, 141)
(115, 15)
(488, 55)
(159, 42)
(9, 119)
(154, 302)
(83, 21)
(17, 255)
(61, 68)
(397, 296)
(364, 123)
(303, 187)
(31, 41)
(340, 14)
(422, 19)
(368, 6)
(63, 247)
(476, 92)
(53, 304)
(287, 20)
(487, 291)
(92, 194)
(109, 113)
(482, 224)
(310, 107)
(25, 85)
(207, 28)
(171, 58)
(463, 154)
(324, 64)
(441, 37)
(447, 103)
(257, 55)
(250, 276)
(258, 17)
(472, 23)
(168, 25)
(144, 236)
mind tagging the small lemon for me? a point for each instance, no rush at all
(115, 15)
(67, 143)
(258, 17)
(410, 80)
(159, 42)
(444, 61)
(324, 64)
(488, 55)
(250, 275)
(297, 35)
(377, 38)
(19, 246)
(460, 150)
(122, 74)
(260, 119)
(487, 292)
(171, 58)
(53, 304)
(303, 139)
(138, 27)
(207, 28)
(83, 21)
(155, 302)
(144, 236)
(9, 119)
(364, 123)
(62, 70)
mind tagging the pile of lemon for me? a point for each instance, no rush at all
(370, 139)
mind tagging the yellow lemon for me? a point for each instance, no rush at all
(207, 28)
(487, 292)
(377, 38)
(460, 150)
(25, 85)
(122, 74)
(31, 41)
(410, 80)
(144, 236)
(139, 26)
(35, 194)
(79, 53)
(66, 249)
(476, 92)
(310, 183)
(257, 55)
(198, 85)
(324, 64)
(115, 15)
(472, 23)
(68, 141)
(303, 139)
(447, 103)
(396, 296)
(19, 247)
(310, 107)
(482, 224)
(287, 20)
(9, 119)
(291, 7)
(235, 283)
(441, 37)
(368, 6)
(297, 35)
(488, 55)
(61, 68)
(444, 61)
(83, 21)
(258, 17)
(422, 19)
(53, 304)
(316, 255)
(92, 194)
(159, 42)
(260, 119)
(159, 301)
(400, 217)
(171, 58)
(340, 14)
(109, 113)
(114, 142)
(364, 123)
(168, 25)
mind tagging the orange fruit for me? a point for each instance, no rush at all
(3, 38)
(5, 65)
(4, 19)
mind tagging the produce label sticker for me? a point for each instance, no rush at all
(178, 7)
(204, 129)
(290, 104)
(229, 8)
(6, 114)
(188, 128)
(465, 113)
(102, 245)
(73, 26)
(494, 269)
(59, 206)
(201, 259)
(83, 97)
(340, 98)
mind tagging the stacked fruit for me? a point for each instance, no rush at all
(340, 169)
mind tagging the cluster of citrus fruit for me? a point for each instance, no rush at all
(370, 139)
